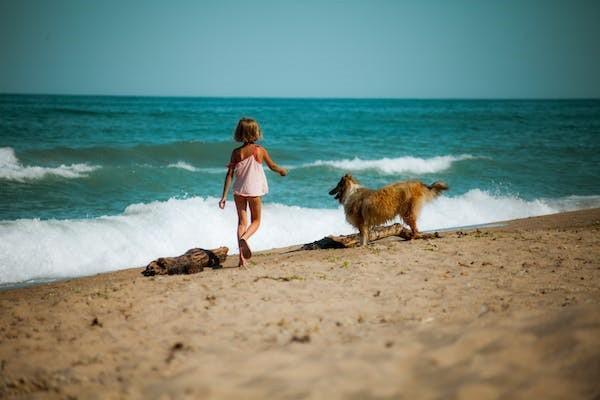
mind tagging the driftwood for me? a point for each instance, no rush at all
(193, 261)
(345, 241)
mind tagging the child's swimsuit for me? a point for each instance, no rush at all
(250, 179)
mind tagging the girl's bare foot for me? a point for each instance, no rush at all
(242, 263)
(245, 249)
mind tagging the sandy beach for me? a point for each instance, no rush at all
(497, 313)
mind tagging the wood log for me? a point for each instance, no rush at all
(380, 232)
(193, 261)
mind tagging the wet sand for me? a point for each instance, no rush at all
(497, 313)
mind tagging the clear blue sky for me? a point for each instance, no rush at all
(414, 49)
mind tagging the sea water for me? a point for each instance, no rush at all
(92, 184)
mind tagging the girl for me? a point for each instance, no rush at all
(250, 181)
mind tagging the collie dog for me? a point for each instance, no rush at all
(366, 208)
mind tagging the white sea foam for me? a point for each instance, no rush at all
(213, 170)
(388, 166)
(413, 165)
(183, 165)
(11, 168)
(38, 249)
(479, 207)
(33, 249)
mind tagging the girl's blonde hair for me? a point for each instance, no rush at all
(247, 130)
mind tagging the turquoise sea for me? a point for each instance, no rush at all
(91, 184)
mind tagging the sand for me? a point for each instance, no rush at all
(499, 313)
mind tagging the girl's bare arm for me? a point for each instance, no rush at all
(272, 166)
(227, 183)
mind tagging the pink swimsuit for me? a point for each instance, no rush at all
(250, 179)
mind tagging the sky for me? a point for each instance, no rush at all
(312, 48)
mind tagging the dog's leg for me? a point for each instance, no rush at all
(412, 215)
(411, 220)
(364, 235)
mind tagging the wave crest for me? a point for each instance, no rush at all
(183, 165)
(11, 168)
(150, 230)
(413, 165)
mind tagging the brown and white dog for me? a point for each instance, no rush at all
(366, 208)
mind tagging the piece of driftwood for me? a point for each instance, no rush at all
(345, 241)
(193, 261)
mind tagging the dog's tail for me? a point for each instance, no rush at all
(437, 187)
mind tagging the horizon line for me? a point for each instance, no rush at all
(291, 97)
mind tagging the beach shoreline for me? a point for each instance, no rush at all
(45, 281)
(509, 310)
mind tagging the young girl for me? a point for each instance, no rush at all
(250, 181)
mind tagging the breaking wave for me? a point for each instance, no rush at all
(183, 165)
(413, 165)
(11, 168)
(33, 249)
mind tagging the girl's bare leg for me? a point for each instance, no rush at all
(241, 204)
(255, 204)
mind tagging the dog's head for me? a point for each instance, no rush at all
(339, 192)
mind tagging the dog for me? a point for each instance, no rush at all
(366, 208)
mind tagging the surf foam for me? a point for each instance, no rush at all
(183, 165)
(11, 168)
(478, 207)
(413, 165)
(41, 249)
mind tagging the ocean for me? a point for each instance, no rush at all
(91, 184)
